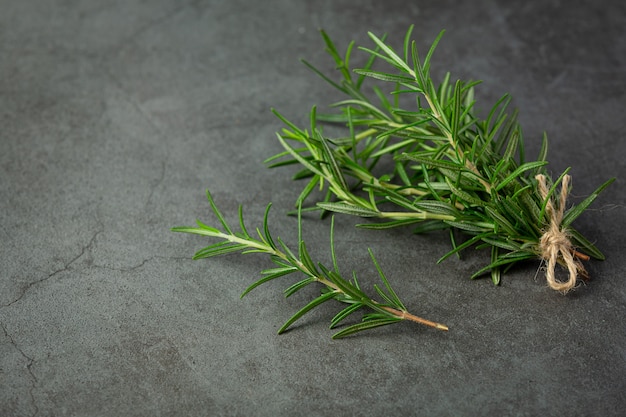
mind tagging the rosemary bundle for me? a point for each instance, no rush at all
(432, 164)
(449, 169)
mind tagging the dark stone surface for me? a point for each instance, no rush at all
(116, 116)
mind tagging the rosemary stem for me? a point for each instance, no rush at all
(408, 316)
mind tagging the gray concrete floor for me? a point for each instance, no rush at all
(117, 115)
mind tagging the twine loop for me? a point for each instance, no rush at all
(555, 242)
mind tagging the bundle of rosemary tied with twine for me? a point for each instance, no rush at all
(416, 156)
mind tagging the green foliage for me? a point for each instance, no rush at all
(334, 287)
(434, 165)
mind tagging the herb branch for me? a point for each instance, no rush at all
(388, 311)
(435, 165)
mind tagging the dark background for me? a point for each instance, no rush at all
(116, 116)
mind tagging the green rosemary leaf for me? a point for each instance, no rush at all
(464, 245)
(502, 261)
(503, 243)
(393, 147)
(296, 155)
(501, 221)
(359, 327)
(543, 152)
(266, 230)
(345, 68)
(350, 290)
(510, 207)
(333, 254)
(292, 126)
(393, 59)
(393, 297)
(404, 176)
(492, 127)
(456, 111)
(205, 231)
(289, 256)
(307, 190)
(364, 105)
(578, 209)
(355, 281)
(383, 76)
(305, 258)
(407, 43)
(368, 65)
(345, 313)
(507, 131)
(401, 201)
(437, 163)
(443, 91)
(311, 305)
(585, 245)
(207, 228)
(465, 196)
(217, 213)
(453, 240)
(332, 162)
(331, 48)
(217, 249)
(270, 274)
(521, 169)
(388, 225)
(438, 207)
(431, 51)
(242, 224)
(351, 209)
(294, 288)
(531, 208)
(387, 300)
(495, 272)
(470, 226)
(418, 70)
(323, 76)
(502, 165)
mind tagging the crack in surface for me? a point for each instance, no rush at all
(65, 268)
(29, 363)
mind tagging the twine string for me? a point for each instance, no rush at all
(555, 242)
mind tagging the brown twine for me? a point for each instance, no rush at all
(555, 240)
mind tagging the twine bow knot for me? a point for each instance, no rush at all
(555, 242)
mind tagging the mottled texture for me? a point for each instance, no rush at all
(115, 116)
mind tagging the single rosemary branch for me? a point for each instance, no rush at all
(449, 168)
(348, 291)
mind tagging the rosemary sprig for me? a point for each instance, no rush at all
(388, 311)
(435, 165)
